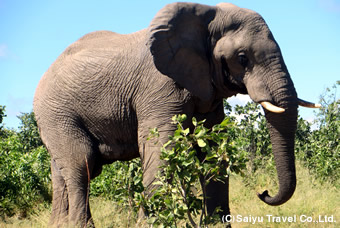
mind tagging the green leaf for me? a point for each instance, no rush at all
(152, 220)
(200, 132)
(186, 131)
(201, 143)
(225, 122)
(194, 121)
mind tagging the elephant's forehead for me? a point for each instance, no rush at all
(263, 48)
(256, 37)
(248, 41)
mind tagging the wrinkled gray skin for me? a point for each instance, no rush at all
(99, 99)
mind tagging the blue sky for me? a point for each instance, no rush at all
(34, 33)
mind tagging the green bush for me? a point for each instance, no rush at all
(24, 169)
(319, 149)
(28, 132)
(2, 115)
(178, 197)
(253, 136)
(120, 182)
(24, 177)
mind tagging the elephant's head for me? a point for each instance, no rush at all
(216, 52)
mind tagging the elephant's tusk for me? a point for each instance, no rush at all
(308, 104)
(272, 108)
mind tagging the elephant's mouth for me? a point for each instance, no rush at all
(232, 83)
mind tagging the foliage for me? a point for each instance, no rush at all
(319, 149)
(24, 171)
(28, 132)
(24, 177)
(2, 115)
(121, 182)
(310, 198)
(201, 155)
(330, 101)
(253, 136)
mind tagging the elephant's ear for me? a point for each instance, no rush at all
(179, 45)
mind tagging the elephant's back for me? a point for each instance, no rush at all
(100, 41)
(91, 74)
(89, 63)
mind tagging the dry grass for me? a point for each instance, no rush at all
(311, 199)
(37, 220)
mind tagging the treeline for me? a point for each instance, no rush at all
(25, 164)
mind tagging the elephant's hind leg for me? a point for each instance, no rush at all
(60, 198)
(73, 158)
(80, 163)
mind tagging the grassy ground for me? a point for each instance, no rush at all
(311, 201)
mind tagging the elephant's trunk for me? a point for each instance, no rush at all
(282, 132)
(282, 127)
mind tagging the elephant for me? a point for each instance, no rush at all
(96, 103)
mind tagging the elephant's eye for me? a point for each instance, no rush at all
(242, 59)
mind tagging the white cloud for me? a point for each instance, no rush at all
(312, 121)
(239, 99)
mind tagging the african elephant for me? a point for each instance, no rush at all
(98, 100)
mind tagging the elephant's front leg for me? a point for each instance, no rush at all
(151, 163)
(217, 196)
(150, 151)
(216, 193)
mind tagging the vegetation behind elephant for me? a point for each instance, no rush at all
(98, 100)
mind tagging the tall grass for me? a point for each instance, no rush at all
(311, 200)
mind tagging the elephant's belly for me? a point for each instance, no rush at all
(118, 151)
